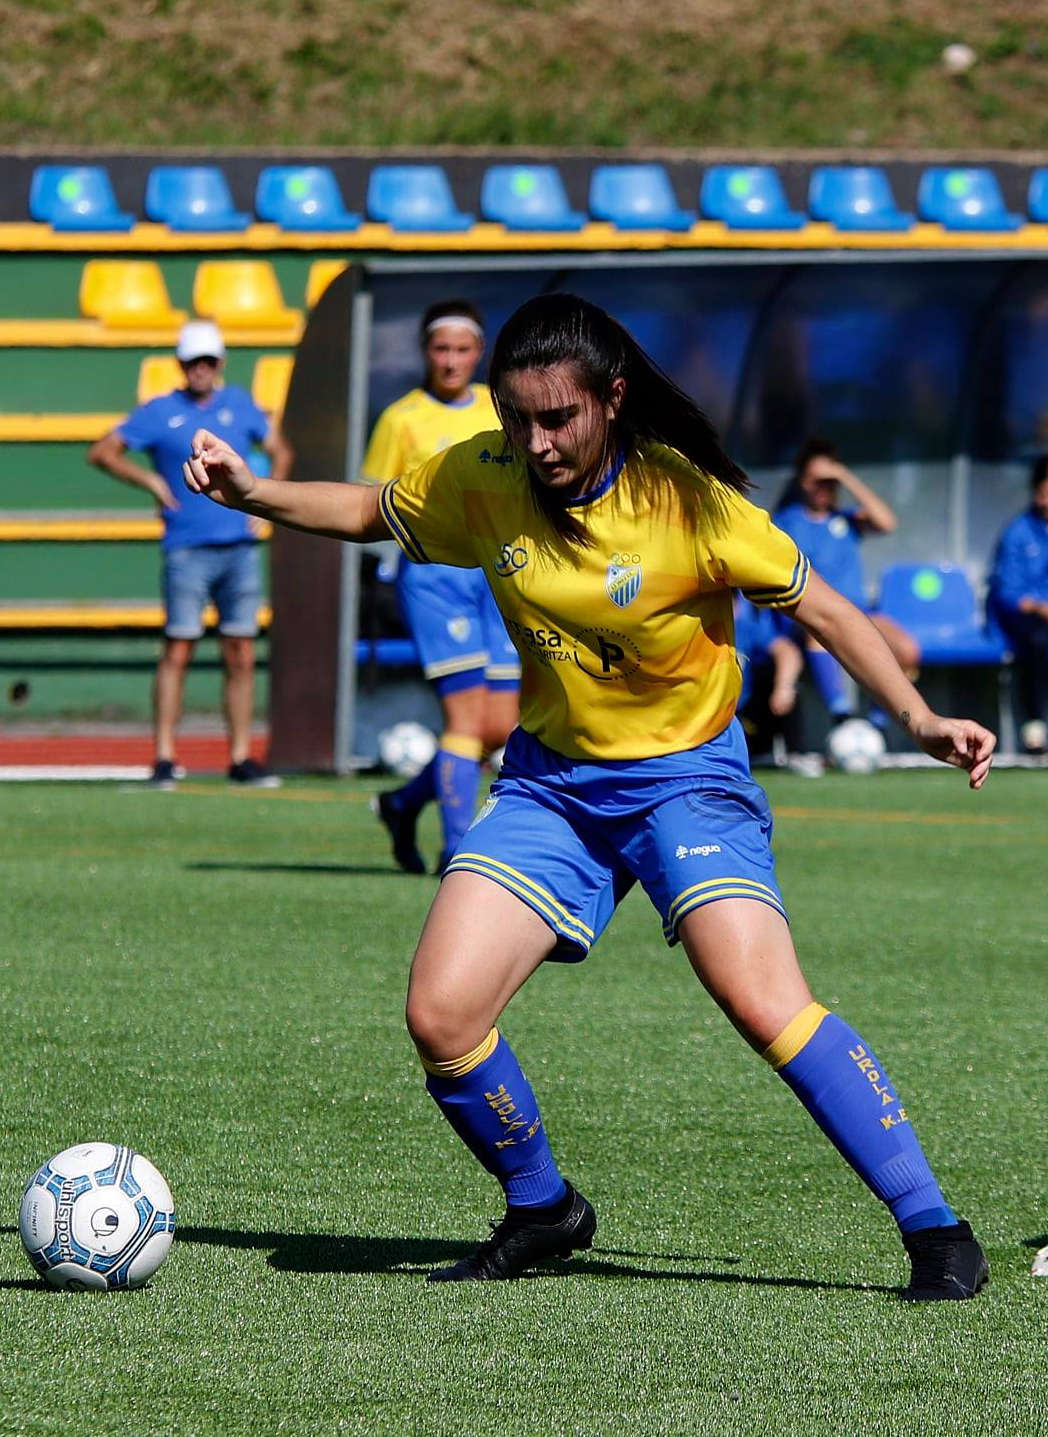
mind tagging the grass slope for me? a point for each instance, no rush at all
(216, 978)
(685, 73)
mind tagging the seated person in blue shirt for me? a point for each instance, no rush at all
(771, 664)
(810, 512)
(209, 553)
(1018, 602)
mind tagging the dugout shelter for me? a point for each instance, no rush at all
(926, 368)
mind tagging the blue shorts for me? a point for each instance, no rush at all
(227, 574)
(571, 838)
(457, 627)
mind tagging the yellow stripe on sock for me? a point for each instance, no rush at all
(459, 1067)
(462, 745)
(794, 1036)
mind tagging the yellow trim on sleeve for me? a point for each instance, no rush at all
(459, 1067)
(462, 745)
(794, 1036)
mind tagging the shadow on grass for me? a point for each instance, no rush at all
(342, 870)
(326, 1252)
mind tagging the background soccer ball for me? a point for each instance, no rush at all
(856, 746)
(97, 1216)
(406, 748)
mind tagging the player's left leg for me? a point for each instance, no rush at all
(742, 952)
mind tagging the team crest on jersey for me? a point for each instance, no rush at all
(622, 581)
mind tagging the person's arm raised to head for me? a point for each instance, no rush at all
(341, 511)
(848, 634)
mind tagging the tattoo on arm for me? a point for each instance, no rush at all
(904, 718)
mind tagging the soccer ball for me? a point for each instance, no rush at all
(98, 1217)
(406, 748)
(856, 746)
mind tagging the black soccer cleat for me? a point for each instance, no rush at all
(400, 825)
(515, 1245)
(947, 1264)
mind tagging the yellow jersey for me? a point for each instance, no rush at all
(417, 426)
(627, 647)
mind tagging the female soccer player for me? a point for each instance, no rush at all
(613, 530)
(465, 650)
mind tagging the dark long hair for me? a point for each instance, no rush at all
(564, 329)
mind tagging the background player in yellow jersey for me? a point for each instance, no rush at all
(614, 530)
(450, 612)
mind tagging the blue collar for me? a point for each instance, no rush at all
(598, 491)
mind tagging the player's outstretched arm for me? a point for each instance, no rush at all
(342, 511)
(848, 634)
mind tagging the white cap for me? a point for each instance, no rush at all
(199, 339)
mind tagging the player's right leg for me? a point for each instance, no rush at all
(522, 888)
(479, 945)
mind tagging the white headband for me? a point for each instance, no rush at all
(463, 321)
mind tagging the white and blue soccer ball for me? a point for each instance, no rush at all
(97, 1217)
(406, 747)
(856, 746)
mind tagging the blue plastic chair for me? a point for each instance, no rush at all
(964, 199)
(747, 197)
(192, 198)
(855, 197)
(636, 197)
(937, 605)
(414, 197)
(1037, 196)
(302, 197)
(527, 197)
(76, 197)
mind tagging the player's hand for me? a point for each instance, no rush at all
(218, 471)
(960, 742)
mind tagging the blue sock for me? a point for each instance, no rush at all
(458, 777)
(844, 1088)
(413, 796)
(489, 1102)
(830, 681)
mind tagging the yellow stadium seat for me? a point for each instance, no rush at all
(159, 374)
(270, 380)
(242, 293)
(321, 274)
(129, 293)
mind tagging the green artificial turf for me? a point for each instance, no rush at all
(216, 978)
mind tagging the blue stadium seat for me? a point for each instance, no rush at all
(76, 197)
(527, 197)
(414, 197)
(1037, 196)
(937, 605)
(636, 197)
(747, 197)
(192, 198)
(964, 199)
(302, 197)
(855, 197)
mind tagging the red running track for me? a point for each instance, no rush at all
(202, 752)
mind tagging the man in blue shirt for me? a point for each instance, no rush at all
(209, 552)
(810, 512)
(1018, 601)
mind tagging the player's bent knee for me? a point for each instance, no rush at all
(441, 1031)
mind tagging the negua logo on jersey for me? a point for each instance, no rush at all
(486, 457)
(623, 579)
